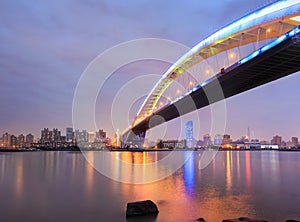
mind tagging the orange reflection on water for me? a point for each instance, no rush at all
(3, 161)
(19, 178)
(174, 193)
(89, 172)
(135, 157)
(228, 170)
(238, 165)
(248, 168)
(218, 208)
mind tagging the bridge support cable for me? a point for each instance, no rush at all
(257, 38)
(279, 17)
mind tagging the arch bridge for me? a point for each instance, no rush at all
(269, 35)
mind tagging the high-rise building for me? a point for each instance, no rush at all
(276, 140)
(13, 141)
(6, 140)
(295, 141)
(218, 140)
(118, 139)
(56, 135)
(226, 139)
(77, 135)
(189, 134)
(102, 134)
(21, 140)
(50, 136)
(69, 134)
(206, 140)
(91, 138)
(81, 136)
(199, 143)
(46, 135)
(248, 134)
(29, 139)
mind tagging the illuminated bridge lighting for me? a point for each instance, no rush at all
(275, 19)
(277, 41)
(296, 18)
(265, 48)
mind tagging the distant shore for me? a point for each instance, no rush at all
(75, 148)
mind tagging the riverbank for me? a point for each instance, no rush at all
(75, 148)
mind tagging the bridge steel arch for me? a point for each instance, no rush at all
(268, 22)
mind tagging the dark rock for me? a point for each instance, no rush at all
(246, 219)
(290, 220)
(141, 208)
(231, 220)
(201, 219)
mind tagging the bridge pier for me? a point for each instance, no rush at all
(133, 140)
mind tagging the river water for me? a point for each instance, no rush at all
(64, 186)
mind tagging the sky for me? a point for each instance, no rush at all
(46, 46)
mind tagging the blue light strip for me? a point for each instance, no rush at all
(265, 48)
(273, 11)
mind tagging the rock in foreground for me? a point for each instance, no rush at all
(141, 208)
(246, 219)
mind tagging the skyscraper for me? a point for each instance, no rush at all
(45, 136)
(50, 136)
(13, 141)
(276, 140)
(218, 140)
(102, 134)
(189, 134)
(206, 140)
(248, 134)
(6, 140)
(69, 134)
(29, 139)
(56, 135)
(81, 136)
(118, 139)
(21, 140)
(91, 137)
(295, 141)
(226, 139)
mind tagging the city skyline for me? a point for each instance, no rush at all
(187, 128)
(42, 62)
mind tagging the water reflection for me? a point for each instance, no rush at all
(228, 170)
(63, 186)
(248, 169)
(189, 172)
(89, 173)
(238, 166)
(19, 178)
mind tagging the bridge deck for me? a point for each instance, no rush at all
(277, 62)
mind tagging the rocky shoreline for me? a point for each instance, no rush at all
(245, 219)
(148, 207)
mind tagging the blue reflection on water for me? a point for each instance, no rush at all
(189, 172)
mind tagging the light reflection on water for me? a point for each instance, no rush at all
(63, 186)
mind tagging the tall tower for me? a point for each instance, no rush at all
(118, 138)
(248, 134)
(69, 134)
(189, 134)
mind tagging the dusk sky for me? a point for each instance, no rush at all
(46, 45)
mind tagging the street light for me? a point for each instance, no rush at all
(232, 55)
